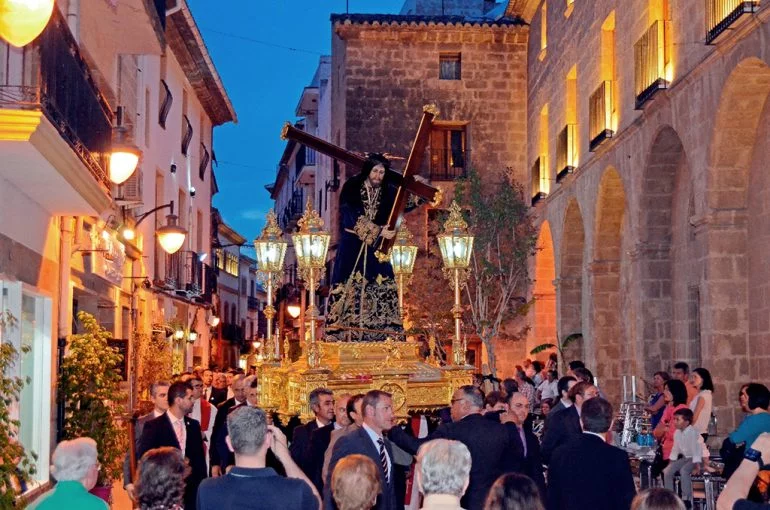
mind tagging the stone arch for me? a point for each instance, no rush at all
(544, 292)
(666, 163)
(734, 327)
(570, 283)
(610, 347)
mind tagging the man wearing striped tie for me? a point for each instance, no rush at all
(369, 441)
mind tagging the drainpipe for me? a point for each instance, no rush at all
(73, 18)
(64, 328)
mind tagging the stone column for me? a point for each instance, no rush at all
(605, 354)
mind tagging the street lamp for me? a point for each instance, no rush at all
(21, 21)
(271, 249)
(311, 244)
(170, 236)
(456, 245)
(125, 155)
(402, 257)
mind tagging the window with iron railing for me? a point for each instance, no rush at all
(187, 134)
(310, 157)
(566, 151)
(166, 100)
(539, 181)
(600, 115)
(448, 154)
(721, 14)
(650, 62)
(173, 270)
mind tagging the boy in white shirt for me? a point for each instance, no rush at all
(689, 444)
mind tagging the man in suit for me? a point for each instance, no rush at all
(250, 484)
(176, 429)
(491, 450)
(322, 404)
(216, 393)
(566, 423)
(219, 453)
(369, 441)
(587, 473)
(563, 387)
(321, 437)
(528, 460)
(355, 420)
(159, 398)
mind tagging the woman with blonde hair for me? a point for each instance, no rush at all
(355, 483)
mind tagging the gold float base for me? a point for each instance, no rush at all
(358, 367)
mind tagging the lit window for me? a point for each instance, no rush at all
(450, 66)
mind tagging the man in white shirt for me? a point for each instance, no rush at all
(549, 388)
(204, 412)
(689, 444)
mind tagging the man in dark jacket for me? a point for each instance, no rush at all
(587, 473)
(565, 424)
(492, 453)
(528, 460)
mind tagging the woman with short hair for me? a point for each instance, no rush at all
(160, 484)
(514, 491)
(355, 483)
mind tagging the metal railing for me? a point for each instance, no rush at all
(566, 151)
(173, 276)
(233, 333)
(205, 158)
(650, 59)
(448, 164)
(253, 303)
(187, 134)
(720, 14)
(600, 115)
(56, 80)
(165, 105)
(311, 157)
(293, 210)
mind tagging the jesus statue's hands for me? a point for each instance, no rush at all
(387, 233)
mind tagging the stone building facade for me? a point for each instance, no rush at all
(647, 149)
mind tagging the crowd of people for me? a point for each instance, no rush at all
(535, 441)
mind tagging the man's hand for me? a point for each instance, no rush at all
(387, 233)
(278, 442)
(215, 472)
(420, 178)
(507, 417)
(131, 492)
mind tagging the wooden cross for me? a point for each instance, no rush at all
(405, 182)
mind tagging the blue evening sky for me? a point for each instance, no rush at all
(266, 52)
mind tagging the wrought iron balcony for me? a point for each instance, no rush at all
(53, 78)
(448, 164)
(721, 14)
(650, 61)
(233, 333)
(566, 151)
(253, 303)
(539, 181)
(293, 210)
(600, 115)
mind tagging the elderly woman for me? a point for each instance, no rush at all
(514, 491)
(443, 473)
(75, 467)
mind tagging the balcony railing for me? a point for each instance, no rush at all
(721, 14)
(173, 277)
(539, 181)
(293, 210)
(650, 60)
(253, 303)
(186, 274)
(448, 164)
(566, 151)
(187, 134)
(205, 158)
(56, 80)
(210, 283)
(311, 157)
(600, 115)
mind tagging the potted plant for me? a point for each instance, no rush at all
(89, 388)
(16, 465)
(560, 346)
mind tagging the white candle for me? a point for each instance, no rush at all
(633, 388)
(625, 389)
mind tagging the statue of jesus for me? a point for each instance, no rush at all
(363, 302)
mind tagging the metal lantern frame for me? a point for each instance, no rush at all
(271, 252)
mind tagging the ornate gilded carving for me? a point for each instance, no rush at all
(398, 394)
(366, 230)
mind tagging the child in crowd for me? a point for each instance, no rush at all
(688, 444)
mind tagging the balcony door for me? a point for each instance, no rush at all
(448, 153)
